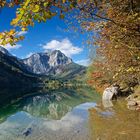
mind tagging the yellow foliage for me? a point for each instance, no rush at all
(36, 8)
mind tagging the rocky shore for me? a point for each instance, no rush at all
(133, 102)
(114, 91)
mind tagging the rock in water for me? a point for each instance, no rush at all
(133, 102)
(27, 132)
(110, 93)
(107, 103)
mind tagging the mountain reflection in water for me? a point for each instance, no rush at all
(68, 115)
(47, 116)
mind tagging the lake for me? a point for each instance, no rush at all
(67, 114)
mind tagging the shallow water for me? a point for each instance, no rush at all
(68, 115)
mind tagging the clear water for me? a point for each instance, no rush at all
(68, 115)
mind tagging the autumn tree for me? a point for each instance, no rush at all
(115, 28)
(30, 11)
(118, 53)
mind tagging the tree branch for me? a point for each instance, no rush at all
(131, 5)
(96, 15)
(105, 18)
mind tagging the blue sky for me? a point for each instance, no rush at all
(49, 35)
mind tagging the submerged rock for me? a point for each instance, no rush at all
(111, 93)
(27, 132)
(107, 103)
(133, 101)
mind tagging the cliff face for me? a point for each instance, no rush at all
(49, 63)
(53, 63)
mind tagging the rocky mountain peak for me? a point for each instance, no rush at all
(53, 63)
(47, 63)
(58, 58)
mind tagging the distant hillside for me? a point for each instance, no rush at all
(72, 71)
(13, 72)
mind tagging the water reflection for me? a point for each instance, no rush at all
(68, 115)
(72, 126)
(48, 116)
(113, 121)
(49, 104)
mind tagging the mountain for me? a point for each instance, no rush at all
(13, 72)
(53, 63)
(4, 51)
(23, 76)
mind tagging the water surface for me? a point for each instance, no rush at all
(68, 115)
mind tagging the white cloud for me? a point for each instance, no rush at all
(65, 46)
(10, 47)
(21, 33)
(84, 62)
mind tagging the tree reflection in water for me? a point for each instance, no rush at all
(113, 121)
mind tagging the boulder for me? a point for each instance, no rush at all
(133, 101)
(111, 93)
(107, 103)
